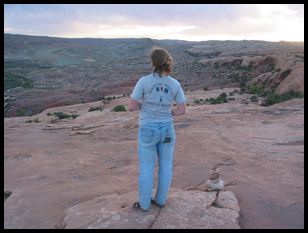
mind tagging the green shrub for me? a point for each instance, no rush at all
(222, 98)
(95, 109)
(197, 101)
(119, 108)
(74, 115)
(274, 98)
(254, 89)
(205, 88)
(36, 120)
(61, 115)
(254, 98)
(49, 114)
(271, 99)
(21, 112)
(223, 95)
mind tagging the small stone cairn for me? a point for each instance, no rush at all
(215, 183)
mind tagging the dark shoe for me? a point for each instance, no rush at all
(137, 206)
(159, 205)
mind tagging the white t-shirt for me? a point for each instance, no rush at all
(157, 95)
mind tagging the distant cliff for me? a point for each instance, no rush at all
(42, 72)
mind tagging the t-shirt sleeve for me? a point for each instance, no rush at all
(137, 93)
(179, 96)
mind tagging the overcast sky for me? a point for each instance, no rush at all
(195, 22)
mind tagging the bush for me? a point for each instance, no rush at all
(197, 101)
(119, 108)
(49, 114)
(254, 98)
(95, 109)
(21, 112)
(254, 89)
(74, 115)
(222, 98)
(36, 120)
(205, 88)
(223, 95)
(274, 98)
(61, 115)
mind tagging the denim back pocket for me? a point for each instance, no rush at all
(167, 135)
(148, 136)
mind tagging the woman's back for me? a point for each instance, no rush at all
(156, 135)
(157, 94)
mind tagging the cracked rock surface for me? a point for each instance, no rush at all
(183, 210)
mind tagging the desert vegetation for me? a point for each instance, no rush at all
(99, 108)
(119, 108)
(270, 97)
(62, 115)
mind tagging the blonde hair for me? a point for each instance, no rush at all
(161, 60)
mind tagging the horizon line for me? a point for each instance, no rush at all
(114, 38)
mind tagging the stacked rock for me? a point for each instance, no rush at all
(215, 183)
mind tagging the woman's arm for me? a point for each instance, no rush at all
(180, 110)
(133, 105)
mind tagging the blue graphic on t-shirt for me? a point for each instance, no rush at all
(156, 96)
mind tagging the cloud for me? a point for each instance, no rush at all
(170, 21)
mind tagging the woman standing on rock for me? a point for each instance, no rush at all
(154, 95)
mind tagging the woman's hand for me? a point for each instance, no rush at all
(133, 105)
(180, 110)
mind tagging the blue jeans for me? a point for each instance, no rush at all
(155, 140)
